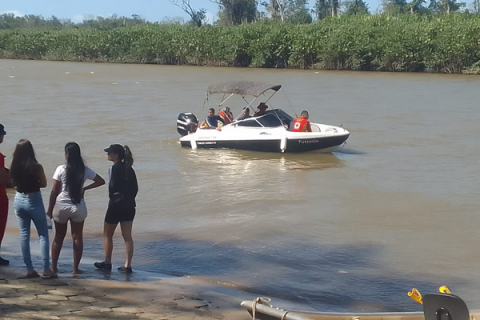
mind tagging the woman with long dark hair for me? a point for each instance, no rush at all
(67, 203)
(122, 190)
(28, 177)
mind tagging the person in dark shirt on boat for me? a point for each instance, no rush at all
(212, 119)
(262, 107)
(245, 114)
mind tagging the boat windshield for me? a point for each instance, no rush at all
(285, 117)
(270, 121)
(249, 123)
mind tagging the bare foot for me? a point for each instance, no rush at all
(77, 272)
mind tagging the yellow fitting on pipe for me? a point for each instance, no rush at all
(415, 295)
(444, 289)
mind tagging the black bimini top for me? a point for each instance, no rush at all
(244, 88)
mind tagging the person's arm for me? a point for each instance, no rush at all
(116, 181)
(4, 172)
(134, 183)
(221, 119)
(41, 176)
(4, 177)
(97, 182)
(56, 189)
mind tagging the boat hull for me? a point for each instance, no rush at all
(292, 145)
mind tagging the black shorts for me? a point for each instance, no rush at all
(116, 214)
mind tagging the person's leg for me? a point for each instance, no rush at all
(77, 237)
(111, 222)
(40, 219)
(3, 224)
(24, 224)
(60, 217)
(60, 232)
(126, 227)
(108, 232)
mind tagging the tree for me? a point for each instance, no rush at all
(416, 6)
(395, 7)
(296, 11)
(445, 6)
(355, 8)
(476, 6)
(198, 17)
(275, 9)
(325, 8)
(335, 5)
(234, 12)
(322, 9)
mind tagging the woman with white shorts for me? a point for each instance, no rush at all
(67, 203)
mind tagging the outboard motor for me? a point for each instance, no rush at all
(186, 123)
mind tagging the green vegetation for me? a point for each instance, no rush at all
(409, 43)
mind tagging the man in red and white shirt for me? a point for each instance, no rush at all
(302, 124)
(4, 180)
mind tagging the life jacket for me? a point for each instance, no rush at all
(300, 125)
(205, 124)
(225, 116)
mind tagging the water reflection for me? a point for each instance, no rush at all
(253, 162)
(240, 175)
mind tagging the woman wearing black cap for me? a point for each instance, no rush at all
(122, 191)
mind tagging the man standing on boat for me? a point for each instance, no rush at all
(4, 180)
(302, 124)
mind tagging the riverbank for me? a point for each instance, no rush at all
(96, 294)
(446, 44)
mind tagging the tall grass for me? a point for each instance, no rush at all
(448, 44)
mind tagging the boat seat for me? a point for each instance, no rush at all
(444, 307)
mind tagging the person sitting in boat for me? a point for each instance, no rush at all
(245, 114)
(226, 115)
(302, 124)
(262, 107)
(212, 121)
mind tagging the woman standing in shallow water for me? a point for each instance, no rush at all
(67, 203)
(122, 191)
(28, 177)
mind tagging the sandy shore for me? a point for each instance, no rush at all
(111, 295)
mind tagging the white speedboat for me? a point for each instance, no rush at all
(268, 133)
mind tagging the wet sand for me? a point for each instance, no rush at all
(109, 295)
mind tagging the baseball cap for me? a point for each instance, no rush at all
(115, 148)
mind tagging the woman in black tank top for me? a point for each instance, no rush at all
(28, 177)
